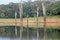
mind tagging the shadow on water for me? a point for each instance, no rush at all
(8, 33)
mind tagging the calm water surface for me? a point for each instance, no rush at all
(8, 33)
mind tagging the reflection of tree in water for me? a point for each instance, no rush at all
(10, 32)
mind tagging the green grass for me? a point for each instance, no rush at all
(32, 19)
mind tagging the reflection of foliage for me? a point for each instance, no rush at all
(10, 32)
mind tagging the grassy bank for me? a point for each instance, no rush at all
(32, 22)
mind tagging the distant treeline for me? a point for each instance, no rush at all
(29, 9)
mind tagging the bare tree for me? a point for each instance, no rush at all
(44, 14)
(27, 29)
(37, 24)
(21, 18)
(38, 7)
(15, 23)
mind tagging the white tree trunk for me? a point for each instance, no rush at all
(44, 14)
(15, 24)
(21, 18)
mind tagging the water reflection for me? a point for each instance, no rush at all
(8, 33)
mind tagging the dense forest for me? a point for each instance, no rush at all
(29, 9)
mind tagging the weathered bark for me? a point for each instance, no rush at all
(37, 23)
(21, 18)
(44, 14)
(15, 24)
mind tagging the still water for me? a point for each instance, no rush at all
(8, 33)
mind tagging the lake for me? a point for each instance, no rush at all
(8, 33)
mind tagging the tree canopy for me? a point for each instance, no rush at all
(29, 9)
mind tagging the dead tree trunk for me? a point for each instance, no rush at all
(21, 18)
(37, 23)
(15, 24)
(44, 14)
(27, 29)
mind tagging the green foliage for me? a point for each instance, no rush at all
(53, 9)
(29, 9)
